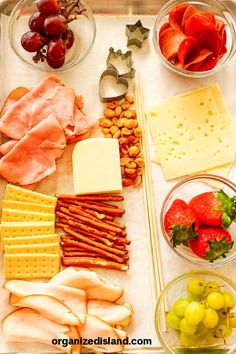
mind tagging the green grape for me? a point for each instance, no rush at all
(232, 319)
(186, 328)
(216, 300)
(222, 331)
(192, 298)
(210, 319)
(194, 313)
(229, 299)
(187, 341)
(222, 315)
(202, 330)
(180, 306)
(173, 320)
(196, 286)
(212, 286)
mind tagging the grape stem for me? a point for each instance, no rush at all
(76, 4)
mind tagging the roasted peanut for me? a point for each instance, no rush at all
(124, 150)
(133, 150)
(118, 111)
(129, 99)
(127, 182)
(131, 164)
(106, 123)
(108, 136)
(125, 105)
(138, 132)
(112, 104)
(114, 129)
(124, 160)
(106, 130)
(126, 131)
(127, 114)
(109, 113)
(114, 120)
(137, 181)
(139, 162)
(130, 123)
(134, 114)
(131, 175)
(139, 171)
(117, 134)
(130, 170)
(121, 122)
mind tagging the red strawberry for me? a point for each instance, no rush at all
(181, 223)
(212, 243)
(214, 208)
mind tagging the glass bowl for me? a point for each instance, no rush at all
(84, 29)
(169, 338)
(221, 11)
(186, 190)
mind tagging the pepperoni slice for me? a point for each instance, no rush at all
(169, 42)
(164, 27)
(176, 15)
(211, 40)
(187, 48)
(202, 55)
(220, 26)
(210, 17)
(197, 24)
(191, 9)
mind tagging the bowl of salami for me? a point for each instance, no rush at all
(195, 38)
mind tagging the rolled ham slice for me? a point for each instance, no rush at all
(33, 157)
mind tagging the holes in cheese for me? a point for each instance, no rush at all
(25, 266)
(31, 240)
(25, 195)
(47, 248)
(189, 134)
(32, 207)
(11, 215)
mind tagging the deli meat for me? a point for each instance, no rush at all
(33, 157)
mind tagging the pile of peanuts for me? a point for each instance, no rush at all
(120, 122)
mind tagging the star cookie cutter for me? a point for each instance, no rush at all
(110, 90)
(136, 34)
(122, 62)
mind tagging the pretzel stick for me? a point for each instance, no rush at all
(94, 243)
(80, 254)
(91, 197)
(108, 210)
(99, 204)
(92, 262)
(93, 249)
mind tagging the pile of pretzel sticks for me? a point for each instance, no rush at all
(93, 237)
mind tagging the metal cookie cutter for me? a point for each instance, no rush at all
(110, 90)
(136, 34)
(122, 62)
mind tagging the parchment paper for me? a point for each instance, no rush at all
(158, 84)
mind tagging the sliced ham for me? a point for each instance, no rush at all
(13, 97)
(33, 157)
(7, 146)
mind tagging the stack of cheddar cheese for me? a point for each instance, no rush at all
(28, 234)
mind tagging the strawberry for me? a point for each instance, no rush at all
(181, 223)
(212, 243)
(214, 208)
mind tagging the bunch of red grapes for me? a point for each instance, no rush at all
(49, 34)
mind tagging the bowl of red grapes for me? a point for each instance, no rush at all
(52, 35)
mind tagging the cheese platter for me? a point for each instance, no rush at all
(87, 172)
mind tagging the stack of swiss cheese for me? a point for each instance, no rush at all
(28, 234)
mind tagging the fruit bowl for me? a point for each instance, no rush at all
(83, 27)
(186, 190)
(221, 12)
(203, 339)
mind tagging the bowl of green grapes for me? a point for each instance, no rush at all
(197, 311)
(52, 35)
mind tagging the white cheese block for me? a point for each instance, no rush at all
(96, 166)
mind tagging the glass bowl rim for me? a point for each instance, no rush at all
(184, 181)
(188, 73)
(65, 67)
(175, 281)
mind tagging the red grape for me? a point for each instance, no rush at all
(56, 52)
(31, 41)
(48, 7)
(36, 22)
(68, 37)
(55, 25)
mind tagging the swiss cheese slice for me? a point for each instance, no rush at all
(31, 266)
(96, 166)
(47, 248)
(32, 207)
(31, 240)
(25, 195)
(190, 135)
(11, 215)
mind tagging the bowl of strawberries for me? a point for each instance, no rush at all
(195, 38)
(198, 220)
